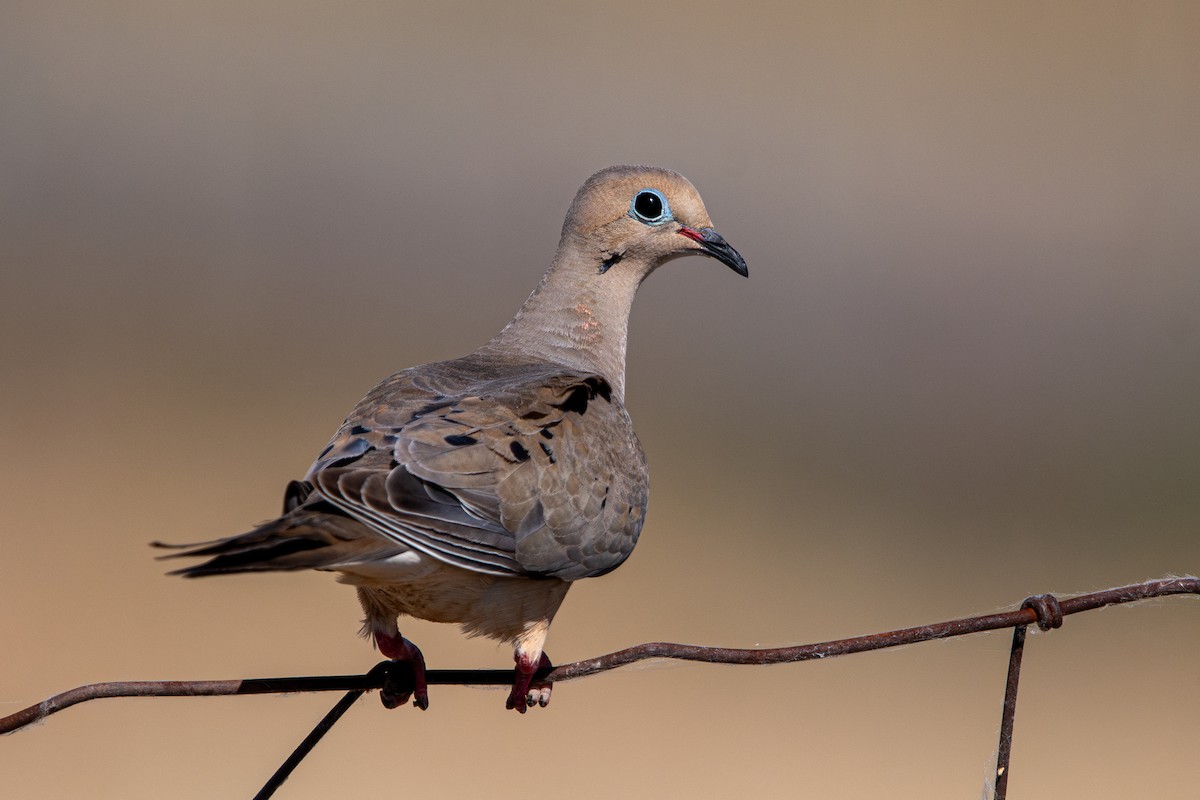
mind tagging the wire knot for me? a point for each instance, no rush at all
(1045, 606)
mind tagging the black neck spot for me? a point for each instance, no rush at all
(610, 259)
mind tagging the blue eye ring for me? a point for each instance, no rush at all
(650, 206)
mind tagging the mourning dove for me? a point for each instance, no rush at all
(477, 490)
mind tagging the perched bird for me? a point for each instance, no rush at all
(477, 490)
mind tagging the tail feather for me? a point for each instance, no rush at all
(272, 557)
(312, 536)
(213, 547)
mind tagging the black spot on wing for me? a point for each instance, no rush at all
(461, 440)
(601, 387)
(577, 401)
(345, 454)
(519, 451)
(430, 408)
(359, 430)
(550, 453)
(348, 459)
(546, 433)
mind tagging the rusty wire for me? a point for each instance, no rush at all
(1044, 610)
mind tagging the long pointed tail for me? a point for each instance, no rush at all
(309, 535)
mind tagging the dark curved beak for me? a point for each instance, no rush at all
(714, 244)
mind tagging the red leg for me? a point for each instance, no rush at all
(398, 648)
(526, 691)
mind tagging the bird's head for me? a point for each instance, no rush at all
(644, 216)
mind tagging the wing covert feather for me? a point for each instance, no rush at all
(533, 472)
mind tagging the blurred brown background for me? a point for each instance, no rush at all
(966, 368)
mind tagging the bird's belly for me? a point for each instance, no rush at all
(487, 605)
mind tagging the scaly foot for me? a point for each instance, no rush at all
(526, 692)
(402, 650)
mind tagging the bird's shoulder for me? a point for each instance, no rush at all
(470, 392)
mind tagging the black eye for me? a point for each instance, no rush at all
(647, 205)
(650, 206)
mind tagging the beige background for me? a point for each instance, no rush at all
(966, 368)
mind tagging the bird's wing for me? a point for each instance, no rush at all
(528, 474)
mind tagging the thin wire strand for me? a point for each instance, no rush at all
(1004, 751)
(372, 680)
(305, 747)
